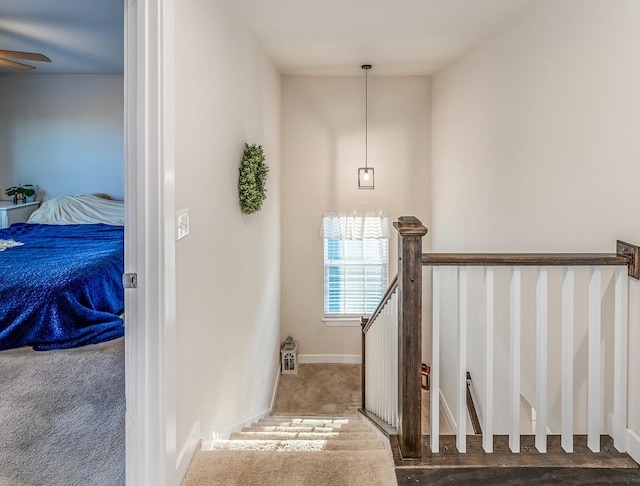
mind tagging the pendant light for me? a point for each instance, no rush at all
(365, 174)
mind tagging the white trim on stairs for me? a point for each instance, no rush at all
(633, 445)
(188, 450)
(330, 358)
(444, 407)
(381, 436)
(210, 437)
(275, 389)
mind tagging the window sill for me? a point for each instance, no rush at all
(341, 321)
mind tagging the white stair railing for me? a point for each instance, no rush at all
(392, 346)
(381, 361)
(469, 314)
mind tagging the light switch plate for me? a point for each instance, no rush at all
(182, 223)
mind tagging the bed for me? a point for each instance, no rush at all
(61, 275)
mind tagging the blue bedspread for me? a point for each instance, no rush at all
(63, 287)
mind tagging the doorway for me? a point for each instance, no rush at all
(150, 243)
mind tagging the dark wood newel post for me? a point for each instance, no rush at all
(410, 231)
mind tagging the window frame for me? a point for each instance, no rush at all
(360, 282)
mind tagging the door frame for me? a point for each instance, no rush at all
(150, 243)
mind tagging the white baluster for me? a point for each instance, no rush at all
(514, 359)
(394, 359)
(461, 436)
(380, 362)
(369, 370)
(594, 406)
(382, 351)
(367, 364)
(387, 362)
(568, 291)
(371, 382)
(542, 311)
(435, 361)
(374, 371)
(621, 333)
(487, 425)
(388, 353)
(378, 368)
(384, 369)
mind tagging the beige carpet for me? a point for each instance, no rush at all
(318, 389)
(315, 437)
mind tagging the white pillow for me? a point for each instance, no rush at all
(79, 210)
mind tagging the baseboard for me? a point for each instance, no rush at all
(208, 438)
(633, 445)
(188, 450)
(330, 358)
(375, 428)
(275, 389)
(447, 411)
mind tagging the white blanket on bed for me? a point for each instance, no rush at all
(83, 209)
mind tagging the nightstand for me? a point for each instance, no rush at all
(15, 213)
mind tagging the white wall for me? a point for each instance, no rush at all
(323, 146)
(63, 133)
(535, 143)
(228, 267)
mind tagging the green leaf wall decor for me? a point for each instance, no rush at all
(252, 180)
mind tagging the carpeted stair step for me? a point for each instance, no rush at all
(288, 427)
(334, 435)
(297, 445)
(255, 468)
(278, 428)
(342, 423)
(316, 438)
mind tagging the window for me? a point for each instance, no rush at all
(356, 247)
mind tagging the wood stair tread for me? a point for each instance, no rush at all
(542, 476)
(448, 457)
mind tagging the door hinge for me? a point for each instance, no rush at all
(130, 280)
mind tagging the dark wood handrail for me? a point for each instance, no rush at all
(517, 259)
(385, 298)
(627, 255)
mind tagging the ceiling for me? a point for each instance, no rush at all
(333, 37)
(79, 36)
(306, 37)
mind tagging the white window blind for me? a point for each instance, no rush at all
(355, 262)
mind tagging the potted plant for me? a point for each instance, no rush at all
(20, 192)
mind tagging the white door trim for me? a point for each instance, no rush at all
(150, 243)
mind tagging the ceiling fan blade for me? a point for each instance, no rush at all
(18, 66)
(31, 56)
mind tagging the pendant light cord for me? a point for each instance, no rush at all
(366, 68)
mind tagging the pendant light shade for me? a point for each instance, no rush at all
(366, 173)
